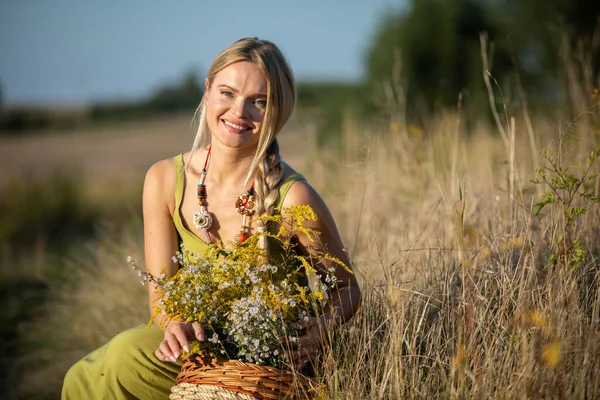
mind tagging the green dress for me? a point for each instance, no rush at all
(126, 367)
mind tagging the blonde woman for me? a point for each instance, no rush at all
(191, 199)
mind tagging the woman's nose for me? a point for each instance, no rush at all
(239, 108)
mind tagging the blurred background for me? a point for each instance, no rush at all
(93, 93)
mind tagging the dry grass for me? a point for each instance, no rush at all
(460, 298)
(102, 299)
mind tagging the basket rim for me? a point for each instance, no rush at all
(276, 382)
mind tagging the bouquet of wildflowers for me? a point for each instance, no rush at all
(244, 301)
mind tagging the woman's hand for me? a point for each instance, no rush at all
(300, 350)
(177, 337)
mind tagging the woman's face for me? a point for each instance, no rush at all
(236, 101)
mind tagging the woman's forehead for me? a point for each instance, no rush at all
(242, 76)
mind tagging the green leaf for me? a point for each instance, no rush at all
(547, 198)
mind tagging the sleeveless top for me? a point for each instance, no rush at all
(190, 240)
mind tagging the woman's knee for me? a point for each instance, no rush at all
(126, 348)
(121, 367)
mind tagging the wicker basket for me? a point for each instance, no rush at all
(206, 378)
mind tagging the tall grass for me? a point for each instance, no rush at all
(469, 291)
(102, 299)
(462, 298)
(483, 277)
(469, 299)
(36, 215)
(51, 236)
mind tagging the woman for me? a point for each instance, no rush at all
(249, 96)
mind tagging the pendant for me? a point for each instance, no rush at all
(245, 204)
(203, 220)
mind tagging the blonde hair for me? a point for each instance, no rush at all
(281, 98)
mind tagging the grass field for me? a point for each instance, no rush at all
(118, 153)
(467, 292)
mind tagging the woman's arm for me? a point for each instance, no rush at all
(160, 245)
(345, 299)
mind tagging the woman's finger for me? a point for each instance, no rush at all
(165, 350)
(174, 346)
(314, 322)
(301, 353)
(312, 338)
(309, 323)
(181, 336)
(198, 331)
(299, 365)
(288, 341)
(302, 357)
(159, 354)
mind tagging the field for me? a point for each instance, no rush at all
(468, 293)
(119, 153)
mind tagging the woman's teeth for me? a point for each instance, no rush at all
(238, 127)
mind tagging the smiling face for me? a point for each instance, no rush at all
(236, 102)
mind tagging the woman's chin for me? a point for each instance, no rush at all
(236, 141)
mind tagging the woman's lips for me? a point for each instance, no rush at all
(235, 127)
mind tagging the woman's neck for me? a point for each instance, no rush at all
(229, 165)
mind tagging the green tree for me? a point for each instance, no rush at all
(532, 31)
(438, 44)
(184, 95)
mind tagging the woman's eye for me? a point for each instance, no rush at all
(261, 103)
(227, 94)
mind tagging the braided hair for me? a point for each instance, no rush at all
(266, 166)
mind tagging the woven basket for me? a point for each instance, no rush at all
(206, 378)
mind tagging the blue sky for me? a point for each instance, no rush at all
(72, 52)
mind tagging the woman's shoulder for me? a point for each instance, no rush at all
(288, 172)
(162, 170)
(160, 179)
(300, 192)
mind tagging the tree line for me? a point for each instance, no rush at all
(433, 49)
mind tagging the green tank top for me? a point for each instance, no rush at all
(190, 240)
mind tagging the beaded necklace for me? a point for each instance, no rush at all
(244, 205)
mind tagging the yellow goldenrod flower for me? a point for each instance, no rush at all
(415, 130)
(240, 297)
(551, 353)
